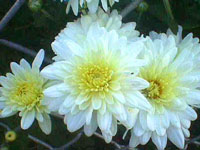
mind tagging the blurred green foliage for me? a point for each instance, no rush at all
(37, 29)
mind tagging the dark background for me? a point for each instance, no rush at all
(37, 29)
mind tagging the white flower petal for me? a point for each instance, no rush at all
(37, 62)
(186, 132)
(139, 83)
(75, 110)
(45, 125)
(159, 141)
(134, 141)
(104, 121)
(92, 127)
(55, 71)
(145, 138)
(138, 100)
(93, 5)
(75, 48)
(57, 90)
(151, 121)
(2, 99)
(39, 117)
(138, 130)
(69, 101)
(104, 4)
(4, 82)
(174, 119)
(7, 111)
(114, 126)
(2, 105)
(194, 97)
(55, 103)
(132, 115)
(107, 137)
(176, 137)
(27, 119)
(96, 102)
(185, 123)
(81, 99)
(63, 110)
(189, 114)
(89, 114)
(119, 111)
(75, 4)
(25, 64)
(119, 96)
(75, 122)
(16, 69)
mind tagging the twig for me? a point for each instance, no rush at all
(21, 48)
(70, 142)
(130, 7)
(197, 143)
(40, 142)
(5, 126)
(193, 140)
(18, 47)
(10, 14)
(112, 142)
(171, 22)
(186, 146)
(118, 146)
(168, 9)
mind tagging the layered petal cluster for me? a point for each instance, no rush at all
(77, 31)
(97, 83)
(22, 91)
(173, 71)
(92, 5)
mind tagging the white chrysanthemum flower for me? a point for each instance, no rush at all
(98, 82)
(173, 72)
(77, 31)
(92, 5)
(22, 92)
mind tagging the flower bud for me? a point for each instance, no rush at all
(10, 136)
(35, 5)
(143, 7)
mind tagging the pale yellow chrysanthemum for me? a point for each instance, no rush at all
(22, 91)
(173, 71)
(98, 82)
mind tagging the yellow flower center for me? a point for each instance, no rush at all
(95, 77)
(28, 93)
(154, 91)
(163, 85)
(96, 74)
